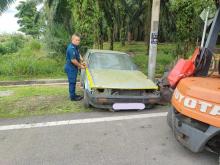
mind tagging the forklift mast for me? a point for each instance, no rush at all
(203, 61)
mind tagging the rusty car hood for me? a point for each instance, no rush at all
(119, 79)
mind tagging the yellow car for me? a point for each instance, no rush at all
(112, 81)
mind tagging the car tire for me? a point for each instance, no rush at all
(81, 83)
(111, 110)
(149, 106)
(86, 100)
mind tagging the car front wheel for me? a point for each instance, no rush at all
(86, 100)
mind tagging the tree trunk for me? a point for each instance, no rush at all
(111, 37)
(101, 34)
(122, 36)
(129, 37)
(101, 42)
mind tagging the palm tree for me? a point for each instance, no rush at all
(4, 4)
(108, 8)
(217, 2)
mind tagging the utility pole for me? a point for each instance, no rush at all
(153, 39)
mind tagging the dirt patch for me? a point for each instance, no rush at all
(6, 93)
(38, 102)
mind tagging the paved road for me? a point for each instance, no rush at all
(146, 141)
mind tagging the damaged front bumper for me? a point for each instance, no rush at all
(191, 133)
(107, 101)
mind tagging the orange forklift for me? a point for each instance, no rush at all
(195, 113)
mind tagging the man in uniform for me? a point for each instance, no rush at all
(72, 66)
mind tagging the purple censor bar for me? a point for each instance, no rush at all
(124, 106)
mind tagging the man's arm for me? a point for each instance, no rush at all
(76, 63)
(74, 60)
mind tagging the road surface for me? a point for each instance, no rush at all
(104, 138)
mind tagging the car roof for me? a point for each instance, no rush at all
(105, 51)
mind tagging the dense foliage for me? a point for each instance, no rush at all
(113, 20)
(49, 25)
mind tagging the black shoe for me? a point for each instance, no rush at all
(77, 98)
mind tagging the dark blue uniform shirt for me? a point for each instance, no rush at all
(70, 69)
(72, 52)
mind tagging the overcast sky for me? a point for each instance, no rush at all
(8, 23)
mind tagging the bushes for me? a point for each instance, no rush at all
(31, 60)
(31, 48)
(29, 66)
(56, 39)
(35, 45)
(11, 43)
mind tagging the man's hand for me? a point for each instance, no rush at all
(83, 66)
(79, 65)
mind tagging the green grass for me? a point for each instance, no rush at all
(139, 54)
(27, 77)
(37, 100)
(31, 62)
(34, 62)
(11, 43)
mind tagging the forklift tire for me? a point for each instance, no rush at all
(86, 100)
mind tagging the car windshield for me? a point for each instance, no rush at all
(114, 61)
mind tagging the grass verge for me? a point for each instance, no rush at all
(37, 100)
(34, 62)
